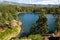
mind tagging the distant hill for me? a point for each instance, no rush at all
(22, 4)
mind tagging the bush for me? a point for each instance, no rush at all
(35, 37)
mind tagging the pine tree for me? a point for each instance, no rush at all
(32, 31)
(58, 23)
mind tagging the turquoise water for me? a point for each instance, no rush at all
(29, 19)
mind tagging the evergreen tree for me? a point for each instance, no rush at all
(32, 31)
(58, 23)
(41, 26)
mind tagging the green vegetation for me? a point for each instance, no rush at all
(31, 37)
(41, 24)
(8, 33)
(35, 37)
(58, 23)
(9, 12)
(7, 15)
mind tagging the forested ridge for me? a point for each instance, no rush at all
(15, 8)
